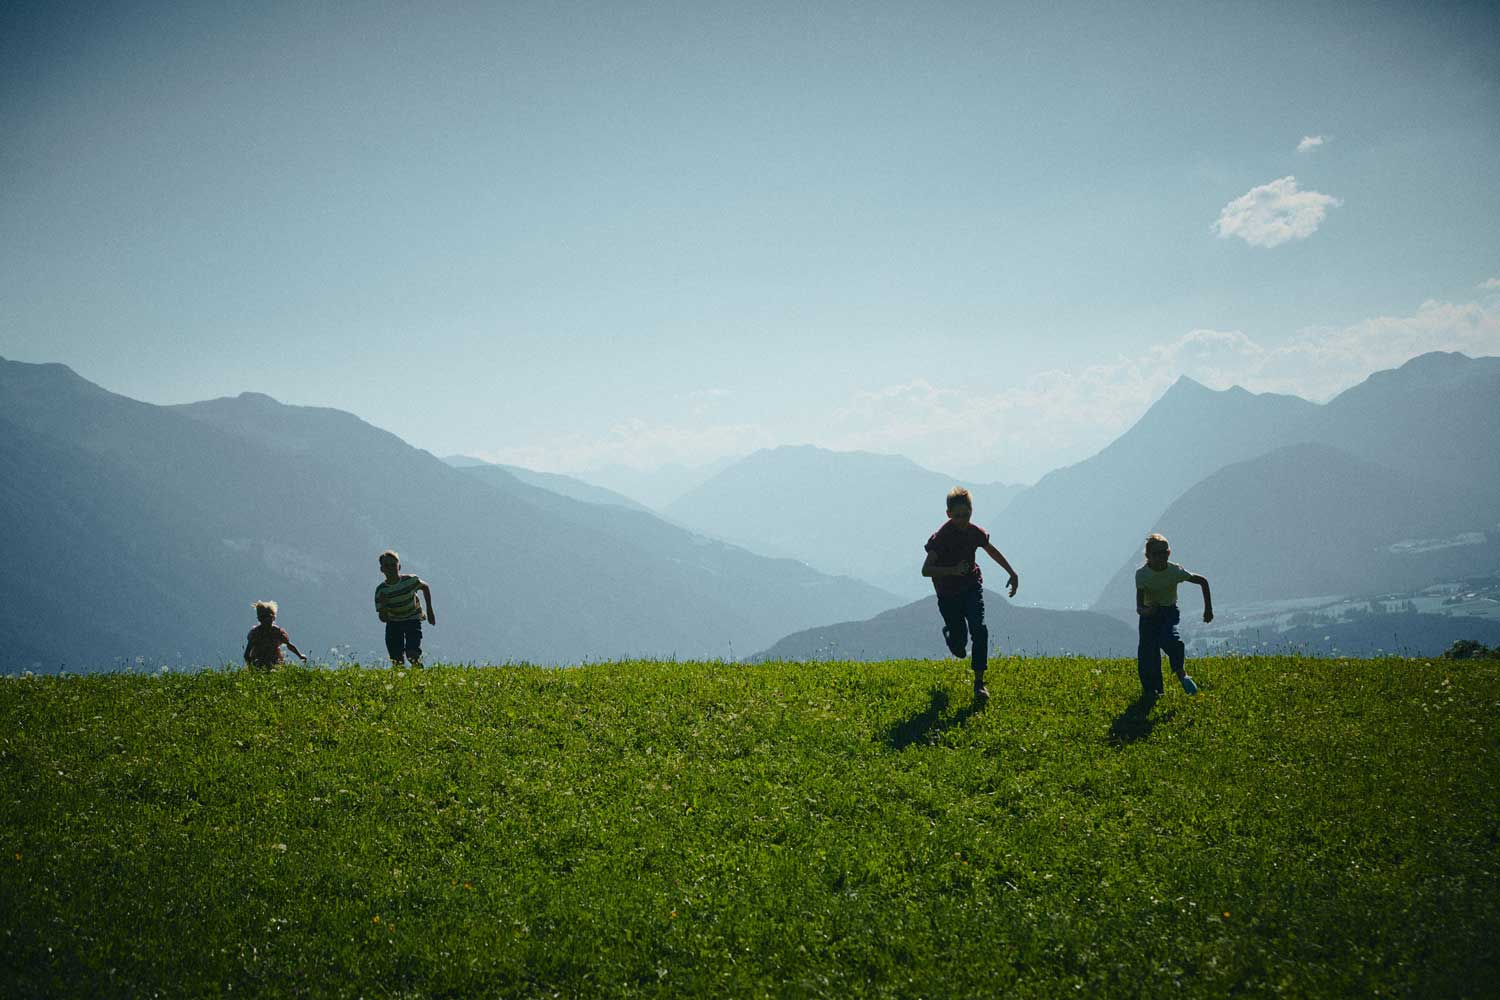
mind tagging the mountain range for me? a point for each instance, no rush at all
(146, 531)
(846, 512)
(1435, 420)
(912, 631)
(143, 531)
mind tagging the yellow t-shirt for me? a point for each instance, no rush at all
(1160, 589)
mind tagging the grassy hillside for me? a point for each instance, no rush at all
(1303, 827)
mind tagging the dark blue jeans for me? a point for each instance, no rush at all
(964, 616)
(1158, 632)
(404, 639)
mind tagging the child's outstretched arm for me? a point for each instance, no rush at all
(1015, 581)
(1208, 599)
(293, 647)
(427, 602)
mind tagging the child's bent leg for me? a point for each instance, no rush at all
(1148, 654)
(414, 643)
(1171, 641)
(974, 613)
(955, 630)
(395, 646)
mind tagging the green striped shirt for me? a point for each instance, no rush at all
(397, 602)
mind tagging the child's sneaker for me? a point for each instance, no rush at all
(957, 650)
(1188, 684)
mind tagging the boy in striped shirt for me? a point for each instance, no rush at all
(397, 605)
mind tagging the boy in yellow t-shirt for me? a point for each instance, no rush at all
(1156, 603)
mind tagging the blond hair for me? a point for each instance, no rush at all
(264, 608)
(1154, 539)
(389, 555)
(958, 496)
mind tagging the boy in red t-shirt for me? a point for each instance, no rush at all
(959, 584)
(263, 644)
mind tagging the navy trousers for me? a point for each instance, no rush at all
(403, 640)
(964, 616)
(1158, 631)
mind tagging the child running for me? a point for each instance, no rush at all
(397, 605)
(960, 586)
(263, 643)
(1156, 603)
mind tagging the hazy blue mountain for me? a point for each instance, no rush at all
(1307, 520)
(913, 632)
(852, 512)
(658, 488)
(1436, 418)
(1066, 534)
(95, 550)
(188, 513)
(552, 482)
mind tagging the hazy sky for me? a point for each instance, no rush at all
(571, 235)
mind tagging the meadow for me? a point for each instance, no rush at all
(1303, 827)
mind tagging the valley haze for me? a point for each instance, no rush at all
(1388, 492)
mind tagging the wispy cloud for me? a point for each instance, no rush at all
(1272, 214)
(1310, 143)
(1062, 416)
(1492, 285)
(1051, 419)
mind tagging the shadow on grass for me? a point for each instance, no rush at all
(927, 725)
(1135, 723)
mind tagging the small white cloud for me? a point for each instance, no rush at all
(1493, 285)
(1274, 213)
(1310, 143)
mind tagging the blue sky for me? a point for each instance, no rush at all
(575, 235)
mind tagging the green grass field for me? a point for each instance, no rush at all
(1303, 827)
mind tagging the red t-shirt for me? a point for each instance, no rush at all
(951, 545)
(265, 643)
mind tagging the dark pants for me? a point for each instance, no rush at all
(404, 639)
(1158, 632)
(964, 614)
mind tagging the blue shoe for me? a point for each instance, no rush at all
(1188, 684)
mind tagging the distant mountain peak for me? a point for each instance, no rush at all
(1438, 361)
(1186, 383)
(1435, 370)
(258, 399)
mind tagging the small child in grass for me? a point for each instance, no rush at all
(1156, 603)
(263, 643)
(397, 605)
(955, 575)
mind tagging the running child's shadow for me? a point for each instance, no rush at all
(930, 723)
(1135, 723)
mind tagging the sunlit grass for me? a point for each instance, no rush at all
(1306, 827)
